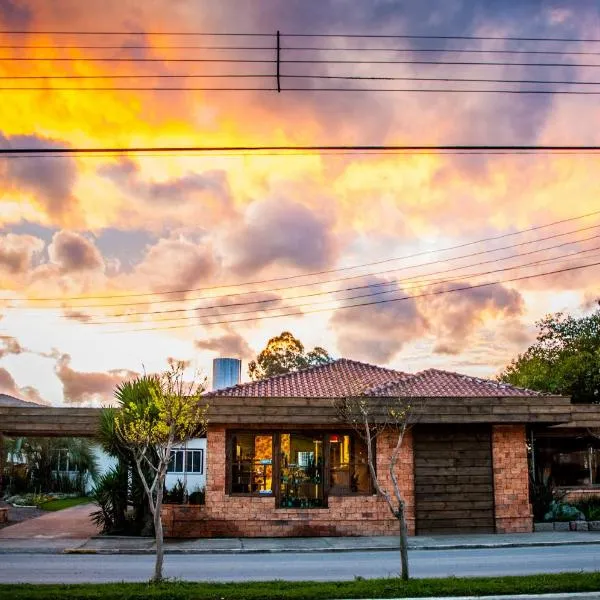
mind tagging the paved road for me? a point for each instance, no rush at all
(60, 568)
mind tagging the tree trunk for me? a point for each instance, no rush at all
(403, 543)
(160, 551)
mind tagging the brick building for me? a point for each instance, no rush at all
(280, 462)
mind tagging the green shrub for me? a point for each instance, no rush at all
(176, 494)
(541, 495)
(198, 496)
(560, 511)
(590, 507)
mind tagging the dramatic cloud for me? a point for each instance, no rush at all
(9, 386)
(15, 14)
(17, 252)
(74, 253)
(378, 332)
(453, 317)
(50, 181)
(230, 345)
(283, 232)
(178, 190)
(88, 387)
(10, 345)
(173, 263)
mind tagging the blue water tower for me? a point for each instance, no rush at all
(226, 372)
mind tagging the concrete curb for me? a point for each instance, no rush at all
(242, 550)
(557, 596)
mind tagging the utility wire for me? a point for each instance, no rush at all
(298, 89)
(371, 303)
(312, 283)
(310, 49)
(299, 35)
(475, 148)
(296, 61)
(371, 293)
(324, 77)
(288, 89)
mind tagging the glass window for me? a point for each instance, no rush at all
(193, 461)
(301, 470)
(567, 462)
(251, 463)
(176, 462)
(348, 465)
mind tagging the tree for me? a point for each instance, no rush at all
(370, 418)
(156, 413)
(284, 354)
(565, 359)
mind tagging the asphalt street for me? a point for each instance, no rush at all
(73, 568)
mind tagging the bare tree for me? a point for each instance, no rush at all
(158, 412)
(370, 418)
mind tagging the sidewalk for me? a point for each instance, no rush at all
(137, 545)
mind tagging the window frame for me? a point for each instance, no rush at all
(275, 435)
(229, 463)
(190, 451)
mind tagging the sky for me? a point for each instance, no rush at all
(141, 257)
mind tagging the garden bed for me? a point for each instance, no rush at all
(567, 526)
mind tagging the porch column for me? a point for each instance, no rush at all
(511, 479)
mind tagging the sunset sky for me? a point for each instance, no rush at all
(125, 229)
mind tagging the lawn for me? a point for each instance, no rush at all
(361, 588)
(53, 505)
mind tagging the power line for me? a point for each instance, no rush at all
(374, 302)
(310, 49)
(378, 285)
(301, 35)
(306, 148)
(309, 284)
(285, 61)
(296, 89)
(295, 76)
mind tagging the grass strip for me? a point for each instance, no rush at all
(54, 505)
(311, 590)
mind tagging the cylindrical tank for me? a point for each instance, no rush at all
(226, 372)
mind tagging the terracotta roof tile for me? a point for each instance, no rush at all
(337, 379)
(434, 382)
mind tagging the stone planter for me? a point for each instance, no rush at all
(567, 526)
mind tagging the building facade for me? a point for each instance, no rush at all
(281, 461)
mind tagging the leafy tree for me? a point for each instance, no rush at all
(284, 354)
(156, 413)
(565, 359)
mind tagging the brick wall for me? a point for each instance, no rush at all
(242, 516)
(511, 479)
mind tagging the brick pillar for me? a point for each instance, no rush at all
(405, 471)
(511, 479)
(215, 465)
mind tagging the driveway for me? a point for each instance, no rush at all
(70, 523)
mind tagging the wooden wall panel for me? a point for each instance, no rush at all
(454, 489)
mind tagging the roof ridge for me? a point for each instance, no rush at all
(380, 387)
(311, 368)
(490, 382)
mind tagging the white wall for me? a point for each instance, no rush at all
(193, 481)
